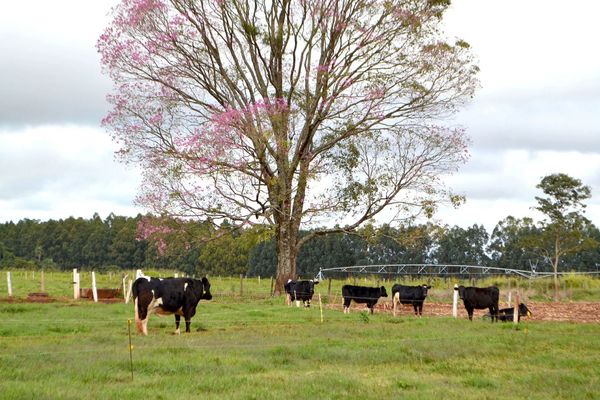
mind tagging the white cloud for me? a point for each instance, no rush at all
(57, 171)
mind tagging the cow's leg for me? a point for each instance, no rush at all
(188, 312)
(142, 313)
(145, 326)
(416, 307)
(346, 305)
(494, 312)
(470, 312)
(177, 321)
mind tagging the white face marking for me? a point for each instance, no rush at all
(146, 277)
(185, 285)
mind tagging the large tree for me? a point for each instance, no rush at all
(287, 112)
(563, 231)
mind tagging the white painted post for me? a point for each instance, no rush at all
(509, 298)
(455, 302)
(9, 281)
(176, 275)
(75, 284)
(516, 309)
(94, 290)
(124, 287)
(321, 307)
(128, 292)
(42, 284)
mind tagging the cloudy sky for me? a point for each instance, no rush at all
(537, 112)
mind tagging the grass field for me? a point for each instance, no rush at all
(262, 349)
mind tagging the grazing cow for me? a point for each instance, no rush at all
(507, 314)
(478, 298)
(178, 296)
(362, 294)
(300, 290)
(414, 295)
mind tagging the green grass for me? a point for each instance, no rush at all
(263, 349)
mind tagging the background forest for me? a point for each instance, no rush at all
(114, 243)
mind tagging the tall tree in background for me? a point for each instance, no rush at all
(563, 230)
(508, 245)
(287, 112)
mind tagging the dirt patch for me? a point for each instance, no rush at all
(567, 312)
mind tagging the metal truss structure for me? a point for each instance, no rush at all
(433, 270)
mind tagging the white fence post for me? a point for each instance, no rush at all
(455, 302)
(128, 292)
(9, 281)
(509, 298)
(75, 284)
(124, 286)
(516, 309)
(94, 290)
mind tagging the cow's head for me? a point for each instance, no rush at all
(524, 311)
(206, 289)
(425, 289)
(382, 292)
(461, 291)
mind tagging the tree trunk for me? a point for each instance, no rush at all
(286, 257)
(556, 283)
(555, 266)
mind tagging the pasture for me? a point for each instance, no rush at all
(250, 347)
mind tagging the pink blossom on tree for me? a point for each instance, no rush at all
(294, 113)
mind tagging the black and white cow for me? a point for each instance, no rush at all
(300, 291)
(179, 296)
(362, 294)
(479, 298)
(414, 295)
(507, 314)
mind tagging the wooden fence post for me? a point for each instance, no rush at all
(272, 282)
(129, 291)
(329, 290)
(516, 309)
(94, 289)
(321, 307)
(9, 282)
(455, 302)
(508, 298)
(241, 285)
(42, 283)
(75, 284)
(123, 278)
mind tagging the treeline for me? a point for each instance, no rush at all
(114, 243)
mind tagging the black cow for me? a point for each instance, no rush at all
(478, 298)
(178, 296)
(507, 314)
(300, 290)
(414, 295)
(362, 294)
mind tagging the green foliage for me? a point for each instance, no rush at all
(565, 230)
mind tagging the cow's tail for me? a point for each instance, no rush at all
(138, 322)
